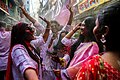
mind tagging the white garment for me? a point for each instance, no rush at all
(68, 42)
(47, 64)
(39, 27)
(46, 57)
(5, 37)
(22, 60)
(66, 58)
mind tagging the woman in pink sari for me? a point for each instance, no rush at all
(106, 66)
(82, 49)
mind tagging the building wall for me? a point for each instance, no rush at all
(10, 16)
(93, 11)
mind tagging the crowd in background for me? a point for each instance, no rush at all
(54, 54)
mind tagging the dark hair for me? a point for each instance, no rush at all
(59, 44)
(89, 24)
(53, 21)
(18, 35)
(110, 16)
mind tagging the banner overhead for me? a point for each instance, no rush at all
(89, 4)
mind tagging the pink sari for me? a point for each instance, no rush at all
(82, 54)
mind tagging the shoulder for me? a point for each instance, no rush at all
(91, 67)
(19, 51)
(18, 46)
(95, 62)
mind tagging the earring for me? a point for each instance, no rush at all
(103, 39)
(103, 42)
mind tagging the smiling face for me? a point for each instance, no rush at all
(29, 34)
(83, 28)
(54, 27)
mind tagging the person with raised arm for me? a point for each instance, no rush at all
(81, 49)
(107, 65)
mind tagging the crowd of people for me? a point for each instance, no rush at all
(53, 53)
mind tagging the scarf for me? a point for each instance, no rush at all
(9, 75)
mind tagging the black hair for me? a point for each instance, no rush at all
(59, 44)
(18, 36)
(110, 16)
(89, 24)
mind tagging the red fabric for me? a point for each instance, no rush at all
(97, 69)
(27, 43)
(58, 78)
(9, 75)
(66, 50)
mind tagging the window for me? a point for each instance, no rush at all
(27, 2)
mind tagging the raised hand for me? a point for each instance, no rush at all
(45, 20)
(23, 9)
(69, 7)
(77, 27)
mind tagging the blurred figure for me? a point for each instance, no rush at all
(40, 28)
(81, 49)
(5, 36)
(59, 51)
(106, 66)
(24, 43)
(24, 60)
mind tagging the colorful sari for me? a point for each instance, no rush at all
(97, 69)
(82, 54)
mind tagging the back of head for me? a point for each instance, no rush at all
(90, 24)
(110, 16)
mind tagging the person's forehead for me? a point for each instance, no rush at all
(54, 24)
